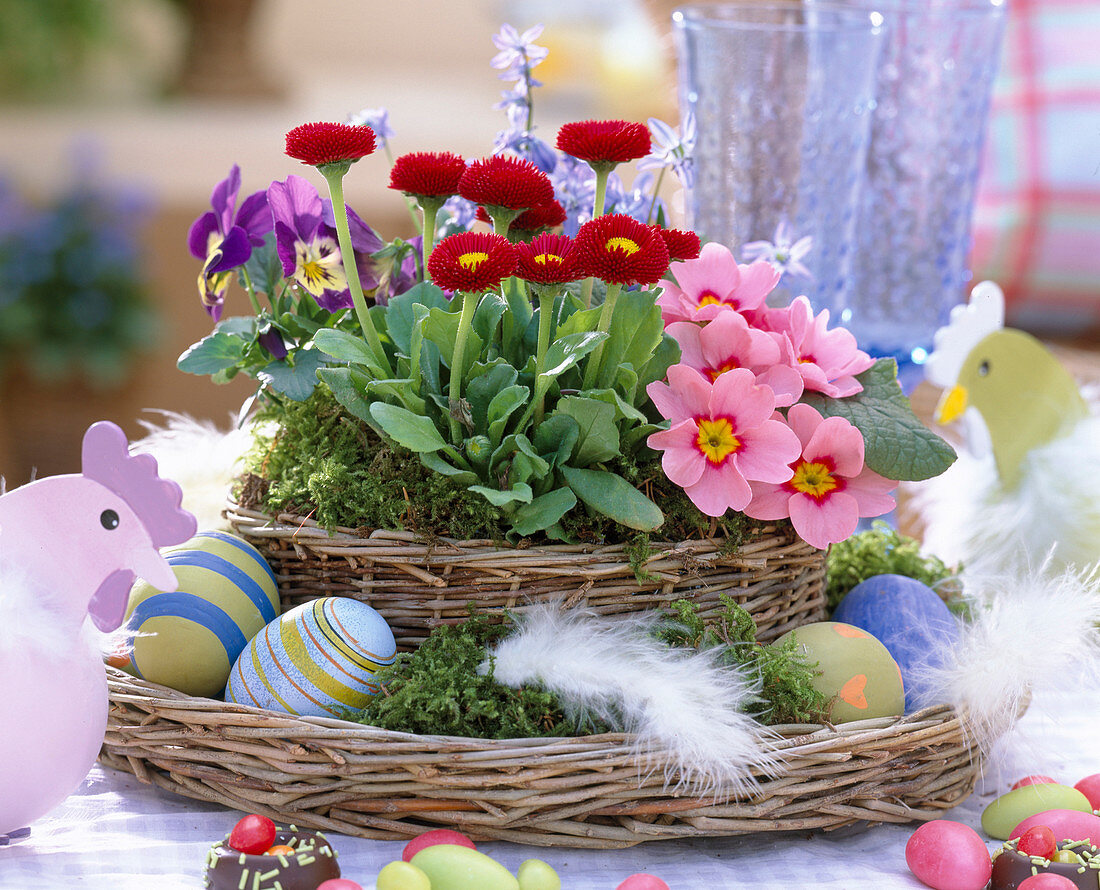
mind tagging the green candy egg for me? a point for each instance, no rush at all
(451, 867)
(402, 876)
(854, 670)
(1009, 810)
(534, 874)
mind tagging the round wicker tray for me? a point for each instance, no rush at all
(417, 584)
(580, 792)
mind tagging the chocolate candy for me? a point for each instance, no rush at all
(1011, 867)
(312, 862)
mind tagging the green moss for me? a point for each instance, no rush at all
(879, 551)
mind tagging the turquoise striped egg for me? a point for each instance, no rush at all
(189, 639)
(319, 659)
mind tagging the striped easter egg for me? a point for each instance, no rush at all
(319, 659)
(189, 639)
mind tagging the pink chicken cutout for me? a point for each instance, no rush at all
(70, 548)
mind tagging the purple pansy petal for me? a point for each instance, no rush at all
(285, 240)
(334, 301)
(198, 238)
(234, 250)
(224, 197)
(272, 340)
(297, 204)
(255, 217)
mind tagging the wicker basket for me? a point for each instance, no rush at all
(580, 792)
(417, 584)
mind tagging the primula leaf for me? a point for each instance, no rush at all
(614, 497)
(897, 445)
(664, 357)
(518, 494)
(599, 436)
(345, 347)
(400, 316)
(296, 381)
(214, 352)
(543, 511)
(413, 431)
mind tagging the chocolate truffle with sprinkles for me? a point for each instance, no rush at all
(312, 862)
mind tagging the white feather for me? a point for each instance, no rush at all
(1028, 630)
(685, 709)
(202, 459)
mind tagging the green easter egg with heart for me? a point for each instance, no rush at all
(854, 670)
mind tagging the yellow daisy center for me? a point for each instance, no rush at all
(626, 245)
(470, 261)
(543, 258)
(716, 439)
(813, 479)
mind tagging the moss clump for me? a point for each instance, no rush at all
(785, 678)
(437, 691)
(879, 551)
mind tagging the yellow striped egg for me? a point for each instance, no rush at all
(319, 659)
(189, 639)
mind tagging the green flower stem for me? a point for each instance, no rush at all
(252, 291)
(603, 327)
(334, 175)
(427, 231)
(602, 172)
(470, 300)
(546, 312)
(656, 191)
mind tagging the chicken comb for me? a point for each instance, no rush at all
(970, 323)
(155, 501)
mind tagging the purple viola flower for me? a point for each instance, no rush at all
(271, 339)
(223, 239)
(305, 238)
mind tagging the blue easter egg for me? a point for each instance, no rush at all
(912, 622)
(319, 659)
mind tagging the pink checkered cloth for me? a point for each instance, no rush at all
(1037, 221)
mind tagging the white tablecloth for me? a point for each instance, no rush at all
(116, 834)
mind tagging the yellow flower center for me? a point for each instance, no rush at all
(318, 267)
(624, 244)
(543, 258)
(709, 297)
(813, 479)
(716, 439)
(470, 261)
(727, 365)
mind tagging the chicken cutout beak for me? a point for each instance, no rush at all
(952, 404)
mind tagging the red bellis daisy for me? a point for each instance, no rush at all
(472, 261)
(427, 174)
(681, 245)
(545, 216)
(326, 143)
(620, 250)
(511, 183)
(547, 260)
(604, 142)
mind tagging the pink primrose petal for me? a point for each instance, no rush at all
(785, 382)
(814, 379)
(714, 271)
(666, 402)
(844, 386)
(709, 311)
(757, 281)
(837, 440)
(769, 501)
(682, 461)
(688, 335)
(767, 452)
(692, 390)
(721, 488)
(824, 522)
(672, 303)
(804, 420)
(872, 492)
(735, 394)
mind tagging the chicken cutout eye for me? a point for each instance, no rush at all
(983, 369)
(108, 519)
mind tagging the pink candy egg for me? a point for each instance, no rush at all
(948, 856)
(1047, 881)
(1067, 825)
(1034, 780)
(1090, 787)
(338, 884)
(431, 838)
(642, 881)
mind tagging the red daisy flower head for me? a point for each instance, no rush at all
(604, 142)
(326, 143)
(472, 261)
(427, 174)
(544, 216)
(621, 250)
(511, 183)
(548, 259)
(681, 245)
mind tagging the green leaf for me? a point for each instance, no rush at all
(441, 328)
(438, 465)
(516, 321)
(348, 386)
(664, 357)
(295, 380)
(623, 410)
(487, 316)
(566, 351)
(214, 352)
(399, 389)
(484, 382)
(599, 436)
(896, 444)
(518, 494)
(636, 332)
(517, 443)
(555, 437)
(412, 431)
(580, 322)
(543, 512)
(614, 497)
(400, 316)
(345, 347)
(502, 407)
(264, 267)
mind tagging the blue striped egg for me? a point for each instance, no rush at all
(319, 659)
(189, 639)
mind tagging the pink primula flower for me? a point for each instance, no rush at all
(830, 488)
(712, 283)
(722, 436)
(727, 342)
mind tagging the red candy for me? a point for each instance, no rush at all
(948, 855)
(1038, 840)
(1034, 780)
(1090, 787)
(431, 838)
(1047, 881)
(253, 834)
(642, 881)
(1067, 825)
